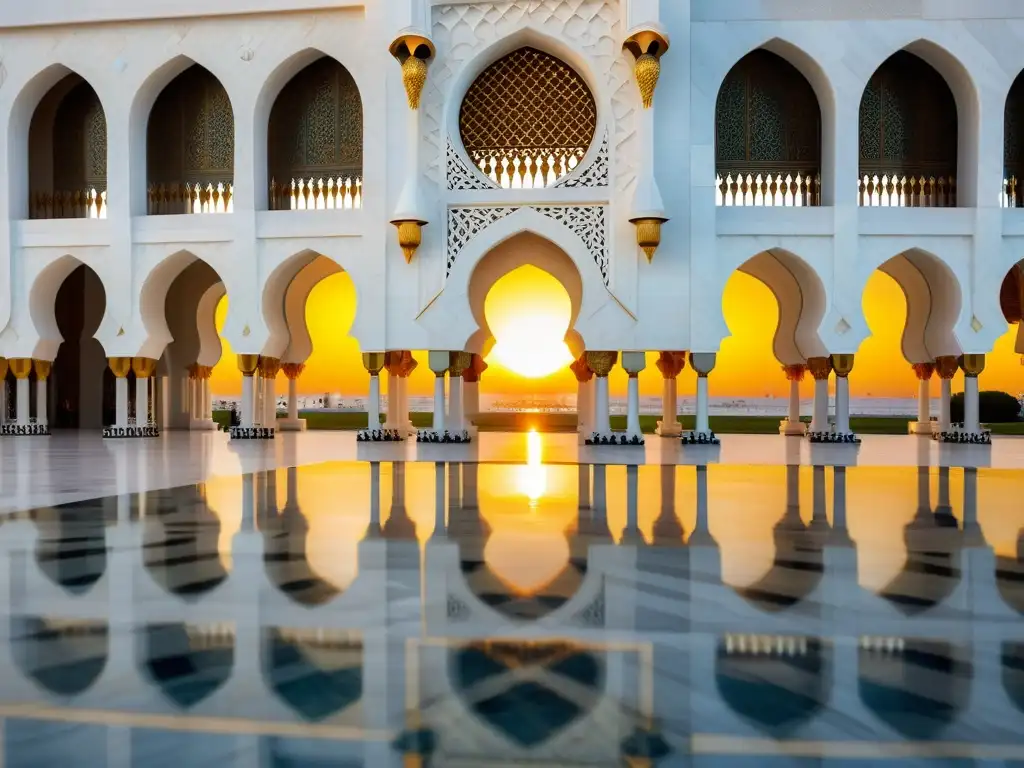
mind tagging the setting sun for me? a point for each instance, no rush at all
(528, 312)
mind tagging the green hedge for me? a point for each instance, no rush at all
(995, 407)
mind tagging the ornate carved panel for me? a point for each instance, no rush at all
(316, 124)
(908, 120)
(587, 222)
(460, 176)
(80, 141)
(596, 174)
(191, 133)
(462, 30)
(767, 117)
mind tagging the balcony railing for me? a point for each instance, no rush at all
(788, 190)
(317, 194)
(902, 191)
(195, 197)
(527, 168)
(88, 203)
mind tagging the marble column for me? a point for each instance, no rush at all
(601, 363)
(946, 367)
(144, 368)
(42, 369)
(269, 368)
(671, 364)
(3, 390)
(120, 367)
(292, 423)
(703, 363)
(923, 425)
(633, 363)
(584, 405)
(820, 368)
(439, 363)
(842, 365)
(972, 366)
(791, 425)
(459, 363)
(247, 365)
(373, 362)
(392, 362)
(471, 392)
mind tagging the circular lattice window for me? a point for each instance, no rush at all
(528, 119)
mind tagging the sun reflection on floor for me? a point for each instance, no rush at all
(533, 476)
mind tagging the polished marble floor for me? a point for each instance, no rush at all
(210, 604)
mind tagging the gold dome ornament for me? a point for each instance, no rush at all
(648, 234)
(410, 236)
(413, 50)
(647, 45)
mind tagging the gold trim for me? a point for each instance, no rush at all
(144, 367)
(120, 366)
(43, 369)
(248, 364)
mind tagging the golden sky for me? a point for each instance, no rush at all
(529, 312)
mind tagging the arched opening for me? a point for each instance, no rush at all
(62, 657)
(81, 392)
(908, 136)
(190, 146)
(767, 135)
(72, 545)
(527, 120)
(528, 692)
(317, 673)
(1013, 146)
(181, 550)
(917, 687)
(1003, 363)
(188, 662)
(67, 153)
(776, 683)
(315, 140)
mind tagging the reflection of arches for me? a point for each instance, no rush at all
(800, 295)
(931, 572)
(187, 662)
(934, 297)
(315, 132)
(767, 121)
(527, 691)
(796, 569)
(778, 683)
(63, 657)
(1013, 132)
(286, 561)
(181, 549)
(917, 687)
(72, 545)
(315, 676)
(67, 152)
(190, 143)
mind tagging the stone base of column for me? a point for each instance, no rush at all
(203, 425)
(792, 428)
(252, 433)
(291, 425)
(132, 430)
(921, 428)
(832, 437)
(956, 434)
(382, 435)
(614, 438)
(13, 429)
(693, 437)
(672, 429)
(446, 437)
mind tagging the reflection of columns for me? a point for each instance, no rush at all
(375, 496)
(583, 477)
(631, 533)
(670, 364)
(599, 506)
(373, 362)
(269, 368)
(144, 368)
(459, 363)
(469, 499)
(792, 425)
(601, 364)
(820, 368)
(701, 530)
(120, 367)
(247, 364)
(440, 508)
(843, 366)
(471, 391)
(703, 363)
(584, 395)
(42, 368)
(633, 363)
(839, 501)
(923, 425)
(439, 363)
(972, 366)
(946, 367)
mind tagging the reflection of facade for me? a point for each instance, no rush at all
(639, 644)
(140, 193)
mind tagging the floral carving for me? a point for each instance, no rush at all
(595, 175)
(462, 177)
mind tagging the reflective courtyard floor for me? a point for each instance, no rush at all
(520, 602)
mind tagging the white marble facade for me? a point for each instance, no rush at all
(660, 161)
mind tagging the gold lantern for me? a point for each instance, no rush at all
(410, 236)
(414, 52)
(647, 46)
(648, 234)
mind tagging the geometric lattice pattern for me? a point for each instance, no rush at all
(588, 222)
(596, 174)
(460, 176)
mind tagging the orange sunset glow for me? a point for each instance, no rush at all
(528, 312)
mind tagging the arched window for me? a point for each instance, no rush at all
(528, 119)
(1013, 145)
(68, 153)
(908, 136)
(767, 134)
(190, 146)
(315, 140)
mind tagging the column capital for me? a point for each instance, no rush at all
(269, 367)
(439, 361)
(292, 371)
(144, 367)
(373, 362)
(43, 368)
(794, 372)
(633, 362)
(947, 366)
(472, 374)
(923, 371)
(842, 364)
(120, 366)
(601, 363)
(3, 368)
(671, 364)
(703, 363)
(458, 363)
(581, 370)
(247, 364)
(820, 367)
(972, 365)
